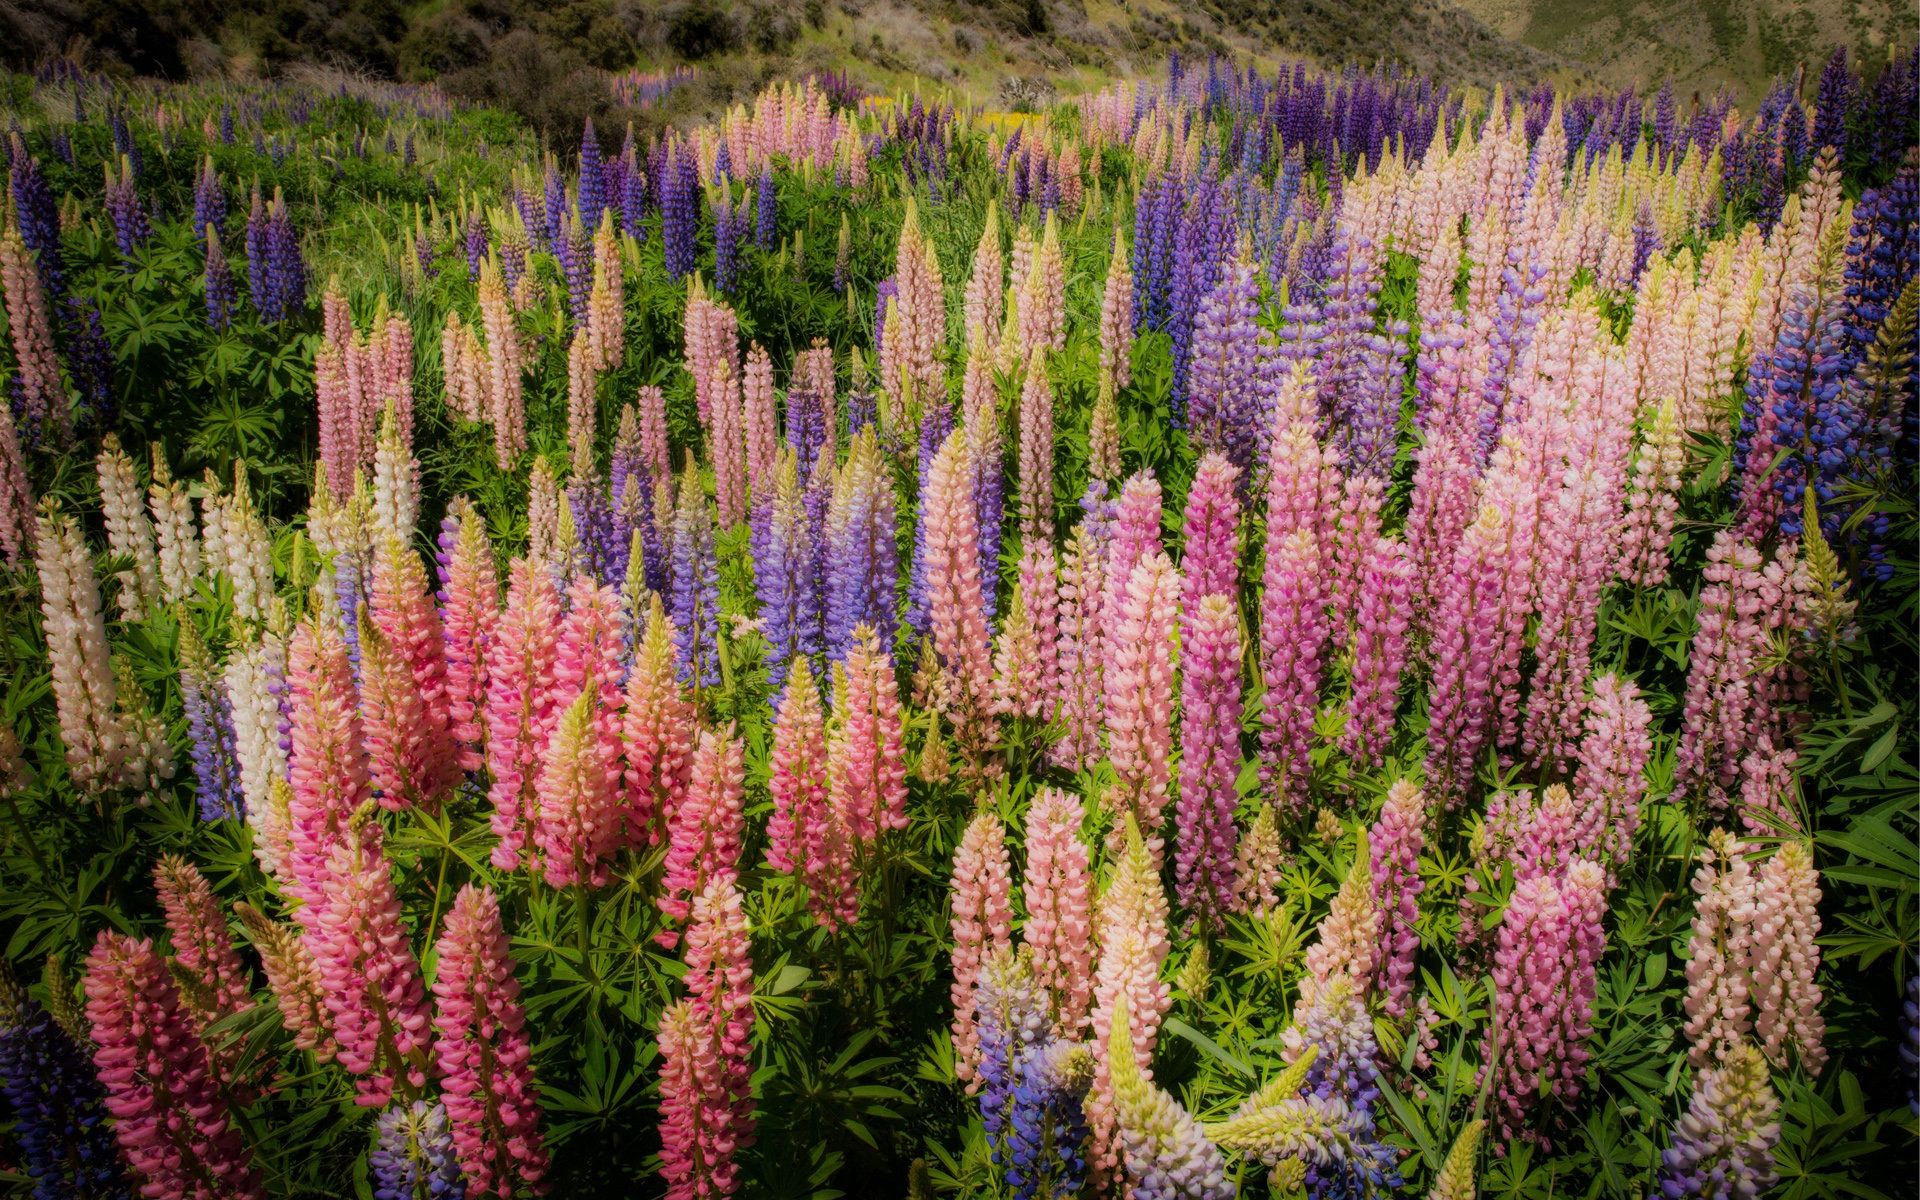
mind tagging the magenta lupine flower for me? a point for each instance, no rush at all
(1293, 632)
(1575, 562)
(1081, 661)
(1379, 650)
(1611, 779)
(483, 1052)
(1470, 624)
(1210, 711)
(1058, 889)
(1396, 841)
(1303, 486)
(368, 972)
(170, 1119)
(522, 707)
(1544, 981)
(805, 836)
(867, 770)
(703, 839)
(1211, 560)
(581, 818)
(1139, 697)
(982, 922)
(1441, 509)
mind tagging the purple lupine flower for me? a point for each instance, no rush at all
(286, 267)
(218, 279)
(554, 209)
(348, 574)
(226, 125)
(862, 568)
(209, 202)
(784, 558)
(513, 260)
(1224, 390)
(475, 244)
(1517, 311)
(592, 197)
(1723, 1145)
(602, 552)
(209, 711)
(633, 199)
(66, 1144)
(1646, 239)
(413, 1154)
(990, 512)
(131, 229)
(89, 357)
(806, 422)
(1206, 229)
(679, 211)
(766, 212)
(574, 249)
(694, 593)
(38, 217)
(888, 289)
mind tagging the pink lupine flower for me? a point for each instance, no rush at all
(706, 1105)
(1024, 662)
(1611, 779)
(1132, 930)
(1379, 650)
(42, 397)
(1786, 958)
(583, 404)
(93, 731)
(16, 494)
(703, 838)
(1211, 561)
(1043, 324)
(1303, 486)
(1210, 711)
(1733, 700)
(403, 694)
(169, 1117)
(761, 436)
(1469, 627)
(1720, 950)
(129, 532)
(954, 580)
(727, 445)
(1441, 510)
(1396, 841)
(660, 729)
(327, 768)
(522, 658)
(506, 362)
(1544, 981)
(1116, 319)
(980, 305)
(1354, 532)
(805, 837)
(1139, 694)
(1134, 534)
(1575, 563)
(712, 346)
(1058, 888)
(1654, 501)
(483, 1053)
(1293, 631)
(1348, 945)
(469, 609)
(867, 769)
(1767, 790)
(1080, 661)
(367, 968)
(202, 947)
(982, 922)
(650, 407)
(578, 825)
(1036, 452)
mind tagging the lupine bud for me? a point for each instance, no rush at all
(1167, 1156)
(294, 979)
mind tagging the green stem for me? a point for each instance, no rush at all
(439, 889)
(26, 835)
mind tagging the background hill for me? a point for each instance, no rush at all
(536, 56)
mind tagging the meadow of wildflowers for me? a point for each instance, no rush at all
(1300, 635)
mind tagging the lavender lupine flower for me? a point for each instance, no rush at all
(1910, 1041)
(413, 1156)
(1223, 387)
(783, 561)
(1518, 308)
(1795, 403)
(695, 589)
(1031, 1082)
(1723, 1145)
(219, 285)
(66, 1146)
(475, 244)
(861, 556)
(989, 513)
(766, 212)
(209, 711)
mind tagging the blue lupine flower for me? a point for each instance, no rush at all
(66, 1145)
(413, 1156)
